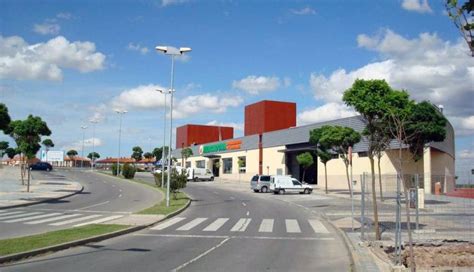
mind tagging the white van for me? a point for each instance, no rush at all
(284, 184)
(196, 174)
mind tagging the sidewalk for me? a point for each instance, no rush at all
(13, 193)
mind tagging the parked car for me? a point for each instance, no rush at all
(260, 183)
(44, 166)
(287, 184)
(197, 174)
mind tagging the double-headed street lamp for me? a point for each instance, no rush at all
(164, 138)
(121, 113)
(173, 52)
(83, 138)
(93, 121)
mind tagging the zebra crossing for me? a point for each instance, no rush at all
(54, 218)
(240, 225)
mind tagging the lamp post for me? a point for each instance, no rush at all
(173, 52)
(121, 113)
(93, 142)
(164, 138)
(83, 137)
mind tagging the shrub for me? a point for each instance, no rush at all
(158, 179)
(114, 169)
(178, 181)
(128, 171)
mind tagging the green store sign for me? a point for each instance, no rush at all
(214, 148)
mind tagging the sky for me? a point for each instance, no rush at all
(75, 61)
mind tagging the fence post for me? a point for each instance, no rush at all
(362, 206)
(398, 231)
(417, 185)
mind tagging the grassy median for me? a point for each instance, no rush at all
(27, 243)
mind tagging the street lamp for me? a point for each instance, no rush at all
(93, 142)
(173, 52)
(164, 138)
(121, 113)
(83, 137)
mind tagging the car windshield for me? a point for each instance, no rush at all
(296, 182)
(254, 178)
(265, 178)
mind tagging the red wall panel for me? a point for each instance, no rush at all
(200, 134)
(266, 115)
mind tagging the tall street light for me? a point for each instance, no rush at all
(121, 113)
(94, 122)
(173, 52)
(164, 138)
(83, 137)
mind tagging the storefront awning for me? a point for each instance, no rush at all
(212, 156)
(297, 149)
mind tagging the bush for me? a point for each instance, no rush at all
(114, 169)
(128, 171)
(178, 181)
(158, 179)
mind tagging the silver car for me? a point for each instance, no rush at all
(260, 183)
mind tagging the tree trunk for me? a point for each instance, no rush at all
(380, 178)
(348, 181)
(29, 177)
(374, 200)
(326, 177)
(304, 172)
(412, 264)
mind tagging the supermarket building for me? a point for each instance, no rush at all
(272, 141)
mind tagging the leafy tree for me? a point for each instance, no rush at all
(4, 118)
(305, 160)
(3, 148)
(71, 154)
(48, 143)
(148, 155)
(460, 14)
(321, 151)
(158, 152)
(382, 139)
(93, 156)
(137, 153)
(11, 152)
(371, 98)
(185, 154)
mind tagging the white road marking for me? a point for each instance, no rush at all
(18, 215)
(216, 224)
(75, 220)
(168, 223)
(192, 224)
(120, 195)
(266, 225)
(248, 213)
(8, 213)
(31, 218)
(243, 204)
(99, 220)
(232, 198)
(201, 255)
(292, 226)
(95, 205)
(317, 226)
(52, 219)
(241, 225)
(237, 237)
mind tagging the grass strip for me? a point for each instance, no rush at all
(27, 243)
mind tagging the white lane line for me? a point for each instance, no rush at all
(237, 237)
(192, 224)
(168, 223)
(232, 198)
(53, 219)
(95, 205)
(216, 224)
(75, 220)
(266, 225)
(18, 215)
(243, 204)
(8, 213)
(99, 220)
(31, 218)
(292, 226)
(317, 226)
(120, 195)
(248, 213)
(241, 225)
(201, 255)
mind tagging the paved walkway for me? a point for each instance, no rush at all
(13, 193)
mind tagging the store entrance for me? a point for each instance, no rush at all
(215, 167)
(295, 170)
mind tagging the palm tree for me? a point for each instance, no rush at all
(71, 154)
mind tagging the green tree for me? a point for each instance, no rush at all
(48, 143)
(11, 152)
(128, 171)
(185, 154)
(148, 155)
(322, 152)
(4, 118)
(71, 154)
(3, 148)
(177, 181)
(305, 160)
(371, 98)
(93, 156)
(460, 15)
(137, 153)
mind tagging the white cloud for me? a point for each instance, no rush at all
(466, 154)
(47, 28)
(44, 61)
(420, 6)
(165, 3)
(87, 145)
(326, 112)
(236, 126)
(304, 11)
(64, 15)
(256, 84)
(141, 97)
(206, 103)
(137, 47)
(426, 66)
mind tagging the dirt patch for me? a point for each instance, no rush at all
(440, 254)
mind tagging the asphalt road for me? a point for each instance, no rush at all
(103, 197)
(224, 229)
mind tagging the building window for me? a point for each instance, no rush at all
(242, 164)
(362, 154)
(188, 164)
(200, 164)
(227, 165)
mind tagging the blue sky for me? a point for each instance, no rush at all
(70, 61)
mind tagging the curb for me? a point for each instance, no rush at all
(43, 200)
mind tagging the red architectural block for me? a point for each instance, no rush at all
(188, 135)
(266, 115)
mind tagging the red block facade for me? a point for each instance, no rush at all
(266, 115)
(188, 135)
